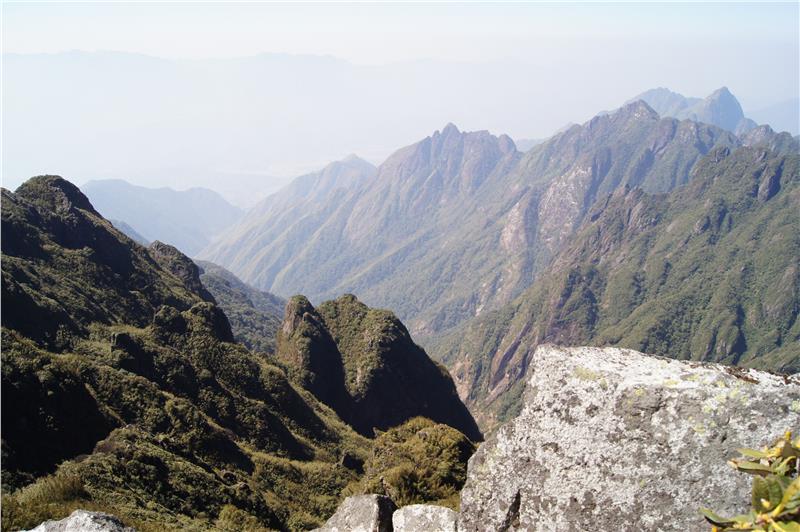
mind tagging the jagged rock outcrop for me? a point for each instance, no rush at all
(361, 513)
(610, 437)
(765, 136)
(363, 363)
(420, 517)
(84, 521)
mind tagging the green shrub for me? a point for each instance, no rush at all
(418, 462)
(233, 519)
(51, 497)
(775, 497)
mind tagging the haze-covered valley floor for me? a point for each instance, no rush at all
(160, 364)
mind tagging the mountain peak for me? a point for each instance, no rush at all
(353, 158)
(450, 129)
(55, 192)
(720, 108)
(723, 96)
(720, 92)
(636, 110)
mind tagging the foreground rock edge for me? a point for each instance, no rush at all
(609, 436)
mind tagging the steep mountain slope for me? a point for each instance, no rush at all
(363, 363)
(708, 272)
(459, 223)
(121, 378)
(187, 219)
(255, 316)
(277, 228)
(130, 232)
(720, 108)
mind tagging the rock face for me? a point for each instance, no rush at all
(83, 521)
(609, 436)
(663, 274)
(459, 223)
(362, 513)
(419, 517)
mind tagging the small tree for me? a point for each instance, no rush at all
(775, 499)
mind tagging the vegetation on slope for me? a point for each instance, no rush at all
(708, 272)
(418, 462)
(460, 223)
(255, 316)
(123, 389)
(363, 363)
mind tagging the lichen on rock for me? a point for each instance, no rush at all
(610, 436)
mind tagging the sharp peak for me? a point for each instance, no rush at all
(450, 129)
(722, 93)
(635, 108)
(354, 159)
(721, 90)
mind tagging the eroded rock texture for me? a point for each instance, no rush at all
(418, 517)
(609, 438)
(83, 521)
(362, 513)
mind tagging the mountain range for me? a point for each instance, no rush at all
(188, 219)
(720, 108)
(487, 281)
(124, 389)
(460, 222)
(707, 272)
(207, 393)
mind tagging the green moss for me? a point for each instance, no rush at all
(418, 462)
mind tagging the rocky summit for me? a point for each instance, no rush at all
(609, 436)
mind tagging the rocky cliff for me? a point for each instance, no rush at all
(707, 272)
(612, 439)
(460, 222)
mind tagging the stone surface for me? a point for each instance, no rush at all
(362, 513)
(424, 517)
(610, 437)
(83, 521)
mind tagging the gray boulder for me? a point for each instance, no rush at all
(610, 438)
(83, 521)
(362, 513)
(424, 517)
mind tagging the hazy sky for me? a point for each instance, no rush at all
(387, 32)
(524, 69)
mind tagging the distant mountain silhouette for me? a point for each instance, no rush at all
(187, 219)
(720, 108)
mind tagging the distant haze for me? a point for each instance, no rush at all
(239, 98)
